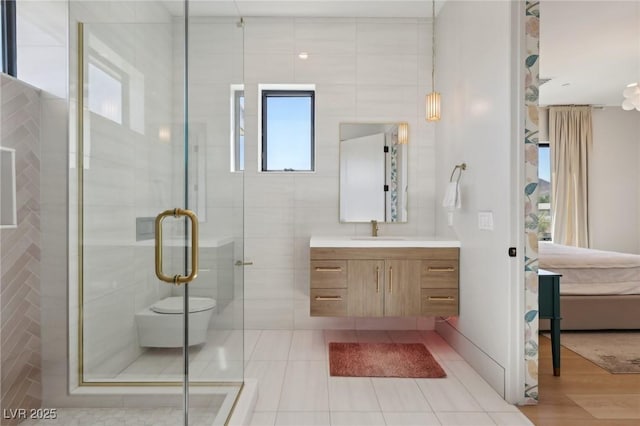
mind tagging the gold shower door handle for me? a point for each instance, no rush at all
(177, 279)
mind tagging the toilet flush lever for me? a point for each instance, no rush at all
(177, 279)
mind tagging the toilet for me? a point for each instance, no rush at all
(161, 324)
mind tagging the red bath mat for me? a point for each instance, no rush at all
(383, 360)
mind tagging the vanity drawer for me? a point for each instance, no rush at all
(329, 302)
(328, 274)
(439, 302)
(439, 274)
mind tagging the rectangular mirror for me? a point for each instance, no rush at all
(373, 172)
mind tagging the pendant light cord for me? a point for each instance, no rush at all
(433, 45)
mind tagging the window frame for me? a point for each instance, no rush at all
(267, 91)
(8, 37)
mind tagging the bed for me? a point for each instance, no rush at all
(598, 290)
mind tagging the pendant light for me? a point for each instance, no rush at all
(433, 98)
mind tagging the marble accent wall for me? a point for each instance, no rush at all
(20, 352)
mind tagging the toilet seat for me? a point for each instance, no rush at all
(174, 305)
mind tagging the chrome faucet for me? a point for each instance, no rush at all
(374, 228)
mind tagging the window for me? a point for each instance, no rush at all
(544, 192)
(237, 131)
(287, 124)
(8, 36)
(105, 93)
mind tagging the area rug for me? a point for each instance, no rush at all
(615, 351)
(383, 360)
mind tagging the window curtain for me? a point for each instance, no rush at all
(570, 139)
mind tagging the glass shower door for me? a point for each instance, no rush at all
(160, 215)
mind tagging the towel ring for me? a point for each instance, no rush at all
(460, 168)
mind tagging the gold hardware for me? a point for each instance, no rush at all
(449, 269)
(241, 263)
(330, 298)
(459, 167)
(440, 298)
(377, 279)
(374, 228)
(177, 279)
(390, 279)
(328, 269)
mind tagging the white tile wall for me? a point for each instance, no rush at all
(364, 70)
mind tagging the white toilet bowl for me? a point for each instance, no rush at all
(161, 325)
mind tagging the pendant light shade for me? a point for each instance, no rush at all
(433, 106)
(433, 98)
(403, 133)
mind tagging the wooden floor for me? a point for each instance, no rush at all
(584, 394)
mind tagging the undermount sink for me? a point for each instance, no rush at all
(384, 238)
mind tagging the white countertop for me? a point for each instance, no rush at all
(382, 241)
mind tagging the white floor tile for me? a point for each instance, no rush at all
(250, 339)
(300, 418)
(410, 419)
(295, 387)
(305, 387)
(270, 377)
(308, 345)
(263, 418)
(465, 419)
(373, 336)
(447, 394)
(352, 394)
(357, 418)
(439, 347)
(272, 345)
(510, 419)
(343, 336)
(486, 396)
(406, 336)
(399, 395)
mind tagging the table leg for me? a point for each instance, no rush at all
(555, 345)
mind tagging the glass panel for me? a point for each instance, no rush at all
(139, 156)
(215, 53)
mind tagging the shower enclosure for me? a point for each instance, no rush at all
(154, 126)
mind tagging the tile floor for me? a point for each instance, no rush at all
(294, 386)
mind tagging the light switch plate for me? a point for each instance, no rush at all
(485, 220)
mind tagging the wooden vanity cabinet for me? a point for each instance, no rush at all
(376, 282)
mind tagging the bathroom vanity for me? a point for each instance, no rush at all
(383, 276)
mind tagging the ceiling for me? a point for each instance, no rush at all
(589, 49)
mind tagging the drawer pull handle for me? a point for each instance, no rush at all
(432, 269)
(377, 279)
(330, 298)
(390, 279)
(329, 269)
(440, 298)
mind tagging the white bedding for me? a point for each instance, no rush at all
(591, 272)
